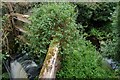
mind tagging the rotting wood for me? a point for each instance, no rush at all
(21, 17)
(21, 29)
(14, 29)
(11, 36)
(49, 65)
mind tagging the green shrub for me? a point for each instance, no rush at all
(111, 47)
(95, 14)
(83, 61)
(49, 21)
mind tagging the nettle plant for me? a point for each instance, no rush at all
(51, 20)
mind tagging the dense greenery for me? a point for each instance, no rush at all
(110, 46)
(51, 21)
(118, 29)
(83, 61)
(80, 59)
(71, 24)
(101, 21)
(95, 14)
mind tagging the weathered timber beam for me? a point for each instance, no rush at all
(49, 65)
(21, 17)
(21, 29)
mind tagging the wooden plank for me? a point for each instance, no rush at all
(49, 65)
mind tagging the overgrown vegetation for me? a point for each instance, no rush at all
(118, 36)
(95, 14)
(100, 22)
(80, 59)
(87, 34)
(57, 20)
(109, 47)
(83, 61)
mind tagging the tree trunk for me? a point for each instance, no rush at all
(49, 66)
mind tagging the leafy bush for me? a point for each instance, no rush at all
(110, 47)
(95, 14)
(83, 61)
(51, 20)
